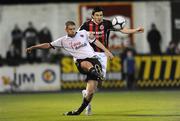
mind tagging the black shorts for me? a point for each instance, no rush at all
(95, 62)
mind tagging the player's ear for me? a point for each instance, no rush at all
(92, 16)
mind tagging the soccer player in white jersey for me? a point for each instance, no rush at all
(77, 44)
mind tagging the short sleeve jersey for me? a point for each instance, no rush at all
(78, 46)
(101, 32)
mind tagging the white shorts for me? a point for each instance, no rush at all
(103, 60)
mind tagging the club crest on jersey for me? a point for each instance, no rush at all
(102, 27)
(81, 35)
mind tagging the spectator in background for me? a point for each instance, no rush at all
(172, 48)
(1, 61)
(129, 69)
(178, 48)
(11, 57)
(126, 47)
(154, 40)
(45, 36)
(31, 38)
(17, 37)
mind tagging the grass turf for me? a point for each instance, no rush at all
(106, 106)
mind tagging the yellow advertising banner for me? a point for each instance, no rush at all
(151, 71)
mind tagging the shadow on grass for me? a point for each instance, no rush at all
(151, 115)
(140, 115)
(136, 113)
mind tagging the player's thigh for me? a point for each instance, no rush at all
(86, 65)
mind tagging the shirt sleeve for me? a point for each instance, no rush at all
(57, 43)
(83, 27)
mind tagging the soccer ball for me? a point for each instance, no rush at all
(118, 22)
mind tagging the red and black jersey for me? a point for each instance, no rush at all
(101, 31)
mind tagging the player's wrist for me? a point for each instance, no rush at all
(136, 30)
(32, 47)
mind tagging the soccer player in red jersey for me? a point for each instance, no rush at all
(101, 29)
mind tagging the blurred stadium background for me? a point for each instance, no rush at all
(157, 69)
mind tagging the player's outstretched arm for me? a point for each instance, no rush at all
(107, 52)
(131, 31)
(39, 46)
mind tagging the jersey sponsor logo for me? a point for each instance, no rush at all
(74, 44)
(82, 45)
(77, 45)
(81, 35)
(98, 34)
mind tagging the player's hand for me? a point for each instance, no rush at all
(140, 29)
(109, 54)
(28, 50)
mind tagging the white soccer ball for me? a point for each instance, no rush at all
(118, 22)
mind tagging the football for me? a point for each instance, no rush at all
(118, 22)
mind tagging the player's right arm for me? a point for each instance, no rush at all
(39, 46)
(56, 43)
(107, 52)
(92, 39)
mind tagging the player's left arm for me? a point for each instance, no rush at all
(126, 30)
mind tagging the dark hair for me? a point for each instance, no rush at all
(97, 9)
(69, 23)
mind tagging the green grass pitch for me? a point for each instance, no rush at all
(106, 106)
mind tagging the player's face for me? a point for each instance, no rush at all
(98, 17)
(71, 30)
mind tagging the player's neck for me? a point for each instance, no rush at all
(72, 35)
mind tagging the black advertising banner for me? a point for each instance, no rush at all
(175, 8)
